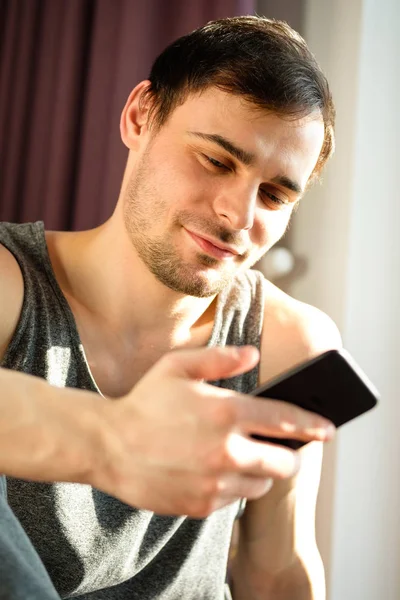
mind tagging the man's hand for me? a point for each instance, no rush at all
(178, 445)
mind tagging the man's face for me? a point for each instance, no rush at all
(214, 189)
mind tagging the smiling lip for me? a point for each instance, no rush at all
(210, 248)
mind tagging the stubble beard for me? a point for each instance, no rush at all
(160, 256)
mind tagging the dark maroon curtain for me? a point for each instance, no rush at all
(66, 69)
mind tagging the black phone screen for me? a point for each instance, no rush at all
(332, 385)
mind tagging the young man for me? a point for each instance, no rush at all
(234, 123)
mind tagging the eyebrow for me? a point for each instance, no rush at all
(247, 158)
(288, 183)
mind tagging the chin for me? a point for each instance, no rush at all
(192, 282)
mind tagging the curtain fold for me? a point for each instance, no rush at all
(66, 69)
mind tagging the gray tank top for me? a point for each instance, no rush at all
(94, 546)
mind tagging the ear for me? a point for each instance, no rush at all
(134, 116)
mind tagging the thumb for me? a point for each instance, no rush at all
(212, 363)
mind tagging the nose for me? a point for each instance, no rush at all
(237, 207)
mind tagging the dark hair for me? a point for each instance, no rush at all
(263, 60)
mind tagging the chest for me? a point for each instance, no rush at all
(115, 374)
(117, 362)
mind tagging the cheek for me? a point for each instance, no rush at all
(192, 175)
(187, 184)
(270, 227)
(259, 233)
(178, 177)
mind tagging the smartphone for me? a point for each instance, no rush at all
(332, 385)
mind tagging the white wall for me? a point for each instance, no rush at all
(349, 232)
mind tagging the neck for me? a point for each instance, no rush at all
(100, 270)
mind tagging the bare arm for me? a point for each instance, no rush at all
(11, 297)
(48, 433)
(172, 445)
(45, 433)
(277, 557)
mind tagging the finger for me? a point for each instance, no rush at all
(233, 486)
(211, 363)
(222, 502)
(256, 459)
(275, 418)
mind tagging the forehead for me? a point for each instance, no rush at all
(282, 144)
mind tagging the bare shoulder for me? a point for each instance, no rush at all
(292, 332)
(11, 297)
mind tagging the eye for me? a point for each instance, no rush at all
(273, 201)
(216, 163)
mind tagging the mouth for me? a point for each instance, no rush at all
(215, 249)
